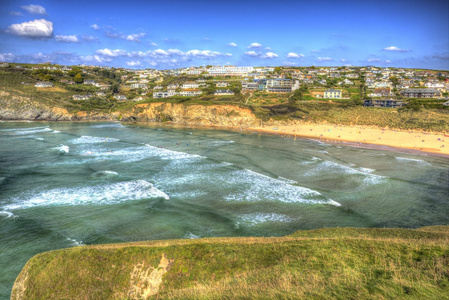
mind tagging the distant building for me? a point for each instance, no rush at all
(223, 93)
(44, 84)
(166, 94)
(190, 92)
(383, 103)
(250, 86)
(190, 85)
(230, 71)
(92, 82)
(138, 86)
(420, 93)
(120, 97)
(221, 84)
(331, 93)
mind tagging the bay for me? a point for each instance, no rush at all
(71, 184)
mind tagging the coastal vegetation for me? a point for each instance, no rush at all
(350, 263)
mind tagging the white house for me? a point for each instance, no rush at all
(190, 85)
(190, 92)
(223, 93)
(120, 97)
(331, 93)
(164, 94)
(44, 84)
(221, 84)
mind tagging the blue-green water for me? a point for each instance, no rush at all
(68, 184)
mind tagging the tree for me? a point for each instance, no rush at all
(296, 96)
(394, 80)
(78, 78)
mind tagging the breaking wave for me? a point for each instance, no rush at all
(93, 140)
(95, 195)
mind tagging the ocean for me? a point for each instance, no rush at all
(70, 184)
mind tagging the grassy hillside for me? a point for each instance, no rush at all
(339, 263)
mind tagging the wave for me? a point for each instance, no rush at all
(93, 140)
(412, 160)
(56, 131)
(25, 131)
(75, 242)
(63, 148)
(112, 125)
(221, 142)
(191, 236)
(93, 195)
(7, 214)
(332, 167)
(258, 218)
(261, 187)
(106, 173)
(170, 154)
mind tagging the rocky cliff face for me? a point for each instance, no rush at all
(214, 115)
(14, 107)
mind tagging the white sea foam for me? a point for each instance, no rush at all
(412, 160)
(219, 143)
(108, 173)
(259, 187)
(63, 149)
(7, 214)
(2, 178)
(93, 140)
(170, 154)
(75, 242)
(95, 195)
(331, 167)
(191, 236)
(112, 125)
(56, 131)
(40, 139)
(25, 131)
(258, 218)
(286, 180)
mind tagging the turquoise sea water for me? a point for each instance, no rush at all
(69, 184)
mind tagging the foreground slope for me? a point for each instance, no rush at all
(345, 263)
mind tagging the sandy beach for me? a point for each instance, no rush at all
(365, 135)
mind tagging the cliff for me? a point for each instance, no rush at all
(328, 263)
(16, 107)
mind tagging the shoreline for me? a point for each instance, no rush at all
(361, 136)
(412, 141)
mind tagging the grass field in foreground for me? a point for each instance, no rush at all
(338, 263)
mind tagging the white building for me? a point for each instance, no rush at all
(190, 92)
(230, 71)
(166, 94)
(44, 84)
(190, 85)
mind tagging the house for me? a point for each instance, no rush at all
(331, 93)
(166, 94)
(190, 92)
(446, 103)
(138, 86)
(92, 82)
(381, 92)
(190, 85)
(80, 97)
(158, 87)
(100, 94)
(120, 97)
(280, 85)
(221, 84)
(173, 86)
(44, 84)
(251, 86)
(223, 93)
(383, 103)
(420, 93)
(346, 82)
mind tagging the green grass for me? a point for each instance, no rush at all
(338, 263)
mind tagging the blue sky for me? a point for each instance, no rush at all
(172, 33)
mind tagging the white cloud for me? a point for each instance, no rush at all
(94, 58)
(89, 38)
(232, 44)
(7, 57)
(34, 9)
(294, 55)
(135, 37)
(203, 53)
(324, 59)
(270, 55)
(95, 26)
(373, 60)
(111, 53)
(154, 44)
(15, 13)
(388, 61)
(343, 60)
(160, 52)
(255, 45)
(40, 28)
(396, 49)
(251, 53)
(67, 38)
(133, 63)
